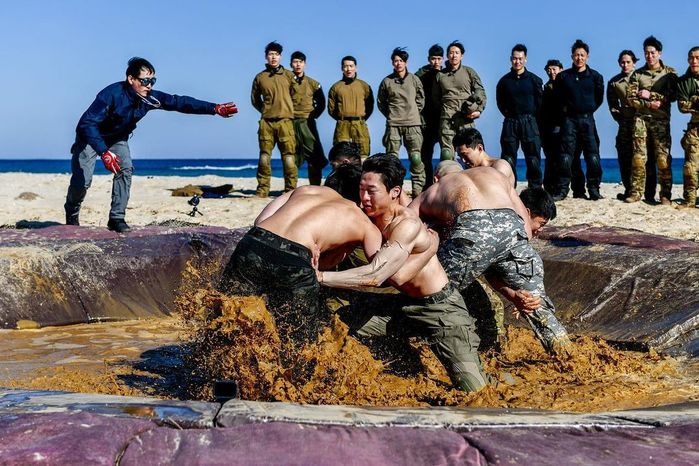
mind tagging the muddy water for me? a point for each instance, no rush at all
(221, 337)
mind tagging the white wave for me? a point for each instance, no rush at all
(211, 167)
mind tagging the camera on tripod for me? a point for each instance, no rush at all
(194, 202)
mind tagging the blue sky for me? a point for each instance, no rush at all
(58, 55)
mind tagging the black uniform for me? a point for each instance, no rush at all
(579, 95)
(430, 121)
(519, 98)
(550, 120)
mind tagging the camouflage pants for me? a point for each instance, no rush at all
(624, 150)
(442, 319)
(309, 148)
(494, 241)
(280, 132)
(690, 144)
(651, 135)
(448, 127)
(353, 130)
(411, 136)
(265, 264)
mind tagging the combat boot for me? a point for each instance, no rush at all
(118, 225)
(595, 195)
(665, 201)
(633, 197)
(73, 220)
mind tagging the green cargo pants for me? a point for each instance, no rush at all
(411, 136)
(356, 131)
(281, 133)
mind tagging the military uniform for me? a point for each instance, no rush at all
(271, 96)
(309, 104)
(652, 126)
(688, 102)
(550, 120)
(442, 319)
(459, 93)
(430, 121)
(518, 97)
(400, 100)
(494, 241)
(351, 103)
(579, 95)
(623, 114)
(264, 263)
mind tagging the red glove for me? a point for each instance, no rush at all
(226, 110)
(111, 162)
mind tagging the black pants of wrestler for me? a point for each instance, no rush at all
(430, 137)
(494, 241)
(522, 130)
(265, 264)
(442, 319)
(580, 131)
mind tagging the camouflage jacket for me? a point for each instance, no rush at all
(400, 100)
(616, 98)
(459, 91)
(688, 95)
(271, 93)
(662, 84)
(308, 97)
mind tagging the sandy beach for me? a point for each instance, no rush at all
(39, 198)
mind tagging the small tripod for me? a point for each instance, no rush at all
(194, 202)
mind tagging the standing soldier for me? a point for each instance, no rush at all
(271, 96)
(651, 90)
(623, 114)
(460, 93)
(518, 96)
(351, 102)
(688, 102)
(400, 99)
(430, 112)
(550, 121)
(309, 104)
(580, 92)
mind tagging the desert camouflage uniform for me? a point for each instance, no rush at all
(264, 263)
(442, 319)
(459, 93)
(494, 241)
(652, 126)
(688, 102)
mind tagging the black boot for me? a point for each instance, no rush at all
(118, 225)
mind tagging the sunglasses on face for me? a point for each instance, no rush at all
(146, 81)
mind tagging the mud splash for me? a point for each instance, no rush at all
(236, 338)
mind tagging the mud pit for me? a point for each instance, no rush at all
(236, 338)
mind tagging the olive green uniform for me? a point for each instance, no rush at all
(309, 104)
(459, 92)
(400, 100)
(350, 103)
(652, 126)
(271, 96)
(688, 102)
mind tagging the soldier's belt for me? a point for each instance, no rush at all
(274, 120)
(437, 297)
(351, 118)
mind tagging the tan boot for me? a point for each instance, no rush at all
(665, 201)
(633, 197)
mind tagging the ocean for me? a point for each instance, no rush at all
(246, 168)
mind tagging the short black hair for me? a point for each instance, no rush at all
(345, 180)
(458, 45)
(519, 48)
(435, 51)
(651, 41)
(469, 137)
(539, 202)
(298, 56)
(348, 149)
(388, 166)
(348, 58)
(274, 46)
(401, 53)
(629, 53)
(692, 50)
(579, 44)
(136, 64)
(553, 62)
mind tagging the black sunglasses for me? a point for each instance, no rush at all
(146, 81)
